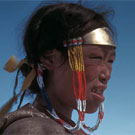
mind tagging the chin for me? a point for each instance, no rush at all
(92, 109)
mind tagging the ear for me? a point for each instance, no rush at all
(51, 59)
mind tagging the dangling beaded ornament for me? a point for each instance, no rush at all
(76, 61)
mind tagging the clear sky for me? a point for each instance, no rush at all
(119, 116)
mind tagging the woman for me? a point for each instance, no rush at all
(69, 55)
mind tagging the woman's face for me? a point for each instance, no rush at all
(98, 66)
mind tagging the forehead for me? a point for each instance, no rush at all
(87, 49)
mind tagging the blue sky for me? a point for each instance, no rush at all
(119, 116)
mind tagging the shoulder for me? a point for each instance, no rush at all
(34, 125)
(28, 120)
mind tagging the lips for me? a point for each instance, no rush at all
(97, 93)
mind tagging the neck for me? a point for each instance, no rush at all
(62, 110)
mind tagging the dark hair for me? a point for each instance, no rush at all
(50, 25)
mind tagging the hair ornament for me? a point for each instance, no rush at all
(11, 66)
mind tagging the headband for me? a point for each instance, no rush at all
(99, 36)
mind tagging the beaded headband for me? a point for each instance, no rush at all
(99, 36)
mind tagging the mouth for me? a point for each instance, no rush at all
(97, 93)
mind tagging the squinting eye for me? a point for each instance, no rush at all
(96, 57)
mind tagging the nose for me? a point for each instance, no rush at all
(105, 75)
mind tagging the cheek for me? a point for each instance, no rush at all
(66, 85)
(91, 72)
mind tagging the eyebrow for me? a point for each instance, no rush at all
(112, 54)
